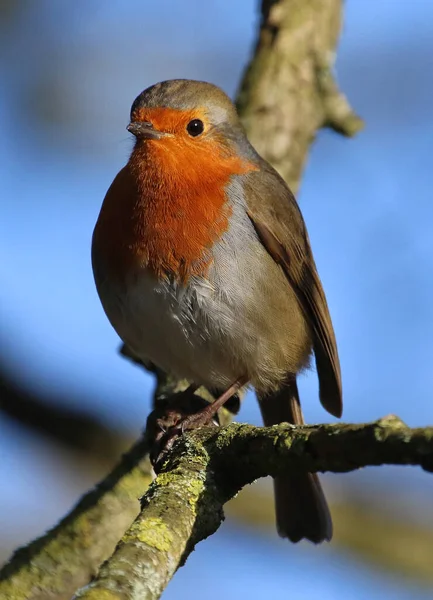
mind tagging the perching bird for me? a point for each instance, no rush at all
(203, 266)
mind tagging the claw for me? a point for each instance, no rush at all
(164, 445)
(161, 425)
(185, 411)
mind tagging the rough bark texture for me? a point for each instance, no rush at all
(287, 94)
(184, 504)
(289, 91)
(68, 556)
(55, 565)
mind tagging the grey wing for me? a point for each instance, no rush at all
(281, 229)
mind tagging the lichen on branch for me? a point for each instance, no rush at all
(207, 467)
(287, 94)
(67, 556)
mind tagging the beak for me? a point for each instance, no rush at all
(144, 130)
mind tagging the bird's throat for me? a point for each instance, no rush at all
(168, 209)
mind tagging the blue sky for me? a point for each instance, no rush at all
(367, 204)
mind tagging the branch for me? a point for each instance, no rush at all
(206, 468)
(289, 90)
(56, 420)
(287, 94)
(66, 557)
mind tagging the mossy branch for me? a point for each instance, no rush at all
(287, 94)
(66, 557)
(206, 468)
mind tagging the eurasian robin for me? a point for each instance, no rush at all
(204, 267)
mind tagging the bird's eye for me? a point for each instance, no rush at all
(195, 127)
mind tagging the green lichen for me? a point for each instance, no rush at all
(195, 488)
(99, 594)
(392, 421)
(151, 531)
(165, 479)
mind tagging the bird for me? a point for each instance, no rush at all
(203, 265)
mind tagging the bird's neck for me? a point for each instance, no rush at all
(170, 208)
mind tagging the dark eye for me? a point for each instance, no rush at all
(195, 127)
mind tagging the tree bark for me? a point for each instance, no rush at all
(55, 565)
(287, 94)
(206, 468)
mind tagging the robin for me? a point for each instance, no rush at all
(203, 265)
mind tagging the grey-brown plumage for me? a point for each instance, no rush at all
(281, 229)
(253, 307)
(300, 505)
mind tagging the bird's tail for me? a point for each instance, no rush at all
(300, 505)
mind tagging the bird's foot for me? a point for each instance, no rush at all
(186, 411)
(183, 414)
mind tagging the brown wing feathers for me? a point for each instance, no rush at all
(302, 276)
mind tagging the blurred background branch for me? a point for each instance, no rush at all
(59, 69)
(60, 423)
(55, 565)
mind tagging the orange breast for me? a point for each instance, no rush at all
(166, 209)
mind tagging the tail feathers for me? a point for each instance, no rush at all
(300, 505)
(301, 509)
